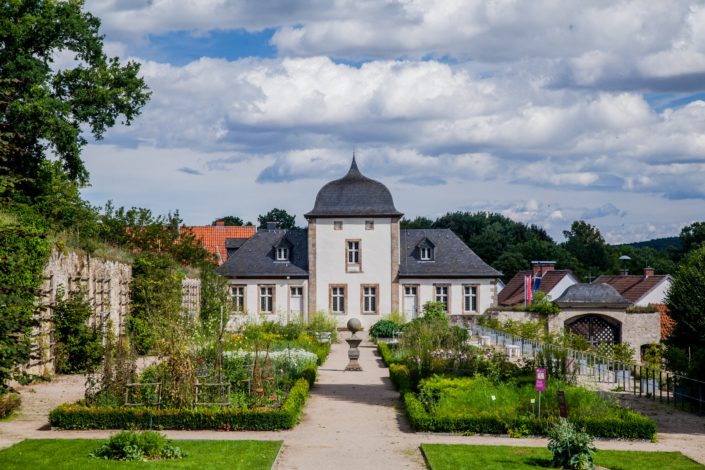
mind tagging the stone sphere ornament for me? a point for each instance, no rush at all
(354, 325)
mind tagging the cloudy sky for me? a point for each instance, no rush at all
(545, 111)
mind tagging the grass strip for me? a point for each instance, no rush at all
(461, 456)
(73, 454)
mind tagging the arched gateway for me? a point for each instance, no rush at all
(596, 328)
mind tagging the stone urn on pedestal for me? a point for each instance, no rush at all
(354, 325)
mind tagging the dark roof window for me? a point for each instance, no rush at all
(426, 250)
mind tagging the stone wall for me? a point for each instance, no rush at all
(107, 286)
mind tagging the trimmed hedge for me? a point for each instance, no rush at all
(77, 416)
(385, 352)
(309, 374)
(400, 377)
(633, 426)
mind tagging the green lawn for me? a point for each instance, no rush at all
(56, 454)
(459, 456)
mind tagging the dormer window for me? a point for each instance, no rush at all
(282, 250)
(426, 253)
(425, 250)
(282, 254)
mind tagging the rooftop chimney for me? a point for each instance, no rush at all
(272, 226)
(648, 271)
(538, 268)
(220, 223)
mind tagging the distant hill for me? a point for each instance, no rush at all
(660, 244)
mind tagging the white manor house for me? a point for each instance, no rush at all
(354, 261)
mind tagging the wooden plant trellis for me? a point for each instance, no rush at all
(263, 377)
(204, 394)
(143, 386)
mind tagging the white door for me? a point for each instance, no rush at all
(410, 307)
(297, 301)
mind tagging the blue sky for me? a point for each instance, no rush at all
(546, 112)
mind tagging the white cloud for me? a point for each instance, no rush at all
(541, 101)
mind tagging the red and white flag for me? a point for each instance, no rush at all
(528, 289)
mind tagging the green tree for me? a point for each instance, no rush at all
(232, 221)
(693, 236)
(44, 108)
(418, 222)
(686, 301)
(509, 263)
(137, 229)
(585, 243)
(279, 216)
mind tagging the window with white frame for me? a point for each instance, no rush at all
(426, 253)
(353, 253)
(266, 299)
(282, 254)
(337, 225)
(238, 296)
(369, 299)
(369, 225)
(337, 299)
(470, 298)
(442, 295)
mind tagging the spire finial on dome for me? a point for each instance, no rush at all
(354, 170)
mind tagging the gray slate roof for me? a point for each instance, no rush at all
(255, 257)
(451, 258)
(354, 195)
(234, 242)
(592, 295)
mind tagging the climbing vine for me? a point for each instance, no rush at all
(79, 347)
(24, 250)
(155, 293)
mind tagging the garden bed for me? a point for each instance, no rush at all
(80, 416)
(476, 405)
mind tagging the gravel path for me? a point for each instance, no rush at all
(353, 420)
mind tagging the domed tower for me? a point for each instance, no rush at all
(353, 249)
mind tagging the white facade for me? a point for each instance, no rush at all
(657, 295)
(485, 294)
(373, 270)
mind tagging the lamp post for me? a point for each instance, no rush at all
(624, 259)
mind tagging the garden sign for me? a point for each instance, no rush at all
(540, 384)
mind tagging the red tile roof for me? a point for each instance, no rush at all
(513, 292)
(632, 286)
(213, 237)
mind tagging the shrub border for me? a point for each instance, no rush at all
(78, 416)
(633, 426)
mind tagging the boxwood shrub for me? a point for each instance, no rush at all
(387, 355)
(78, 416)
(632, 426)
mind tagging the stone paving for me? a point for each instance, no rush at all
(353, 420)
